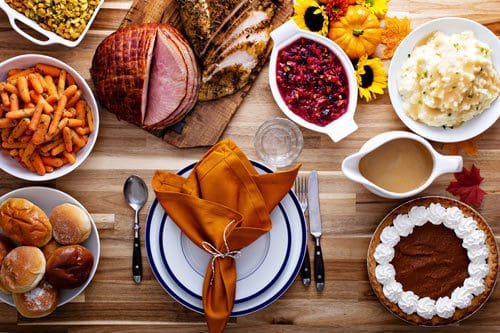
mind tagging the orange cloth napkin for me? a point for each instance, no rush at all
(226, 204)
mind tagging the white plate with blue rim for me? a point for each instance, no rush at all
(265, 269)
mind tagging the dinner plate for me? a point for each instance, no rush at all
(47, 199)
(265, 269)
(470, 128)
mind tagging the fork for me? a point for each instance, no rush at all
(301, 192)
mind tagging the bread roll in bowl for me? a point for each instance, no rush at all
(70, 224)
(49, 248)
(24, 222)
(69, 266)
(38, 302)
(6, 246)
(22, 269)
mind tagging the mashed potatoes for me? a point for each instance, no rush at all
(447, 80)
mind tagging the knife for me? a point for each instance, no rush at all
(315, 227)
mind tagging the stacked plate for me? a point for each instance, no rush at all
(265, 269)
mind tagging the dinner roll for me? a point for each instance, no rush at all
(38, 302)
(6, 246)
(70, 224)
(69, 266)
(22, 269)
(24, 222)
(49, 248)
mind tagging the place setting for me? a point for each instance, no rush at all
(256, 226)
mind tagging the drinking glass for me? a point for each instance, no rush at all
(278, 142)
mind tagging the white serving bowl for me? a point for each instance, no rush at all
(448, 25)
(47, 198)
(339, 128)
(52, 38)
(9, 164)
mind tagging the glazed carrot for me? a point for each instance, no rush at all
(75, 123)
(6, 123)
(70, 91)
(28, 151)
(48, 168)
(82, 130)
(39, 135)
(90, 119)
(74, 99)
(22, 86)
(35, 83)
(5, 134)
(37, 163)
(51, 87)
(48, 147)
(63, 123)
(47, 108)
(68, 143)
(18, 114)
(8, 87)
(19, 74)
(35, 119)
(26, 164)
(57, 149)
(13, 72)
(29, 106)
(69, 79)
(57, 114)
(14, 152)
(80, 110)
(67, 114)
(8, 145)
(53, 161)
(19, 130)
(70, 157)
(77, 140)
(42, 81)
(5, 98)
(25, 138)
(61, 83)
(48, 70)
(14, 102)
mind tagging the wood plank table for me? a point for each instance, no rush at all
(350, 214)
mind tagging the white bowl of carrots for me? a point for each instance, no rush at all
(49, 120)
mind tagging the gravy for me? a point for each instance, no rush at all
(400, 165)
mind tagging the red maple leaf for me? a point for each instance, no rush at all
(467, 186)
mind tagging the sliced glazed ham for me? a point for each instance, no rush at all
(146, 74)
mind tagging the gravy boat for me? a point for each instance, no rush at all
(441, 164)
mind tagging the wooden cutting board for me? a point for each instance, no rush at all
(204, 125)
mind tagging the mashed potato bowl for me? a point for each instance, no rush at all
(449, 26)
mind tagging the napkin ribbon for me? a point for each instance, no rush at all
(222, 206)
(217, 254)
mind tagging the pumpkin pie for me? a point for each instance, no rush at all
(433, 261)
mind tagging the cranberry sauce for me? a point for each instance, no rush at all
(312, 81)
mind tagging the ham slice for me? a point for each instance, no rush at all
(146, 74)
(168, 81)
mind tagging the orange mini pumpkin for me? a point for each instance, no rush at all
(358, 33)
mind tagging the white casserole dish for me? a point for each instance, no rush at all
(52, 38)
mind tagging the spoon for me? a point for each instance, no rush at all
(136, 194)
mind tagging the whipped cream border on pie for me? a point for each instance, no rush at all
(473, 240)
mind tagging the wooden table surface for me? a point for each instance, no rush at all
(112, 302)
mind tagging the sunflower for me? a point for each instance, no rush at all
(377, 7)
(371, 77)
(310, 15)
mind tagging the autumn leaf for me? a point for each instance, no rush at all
(469, 147)
(467, 186)
(395, 30)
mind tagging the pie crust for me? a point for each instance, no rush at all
(489, 280)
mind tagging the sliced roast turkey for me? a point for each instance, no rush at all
(146, 74)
